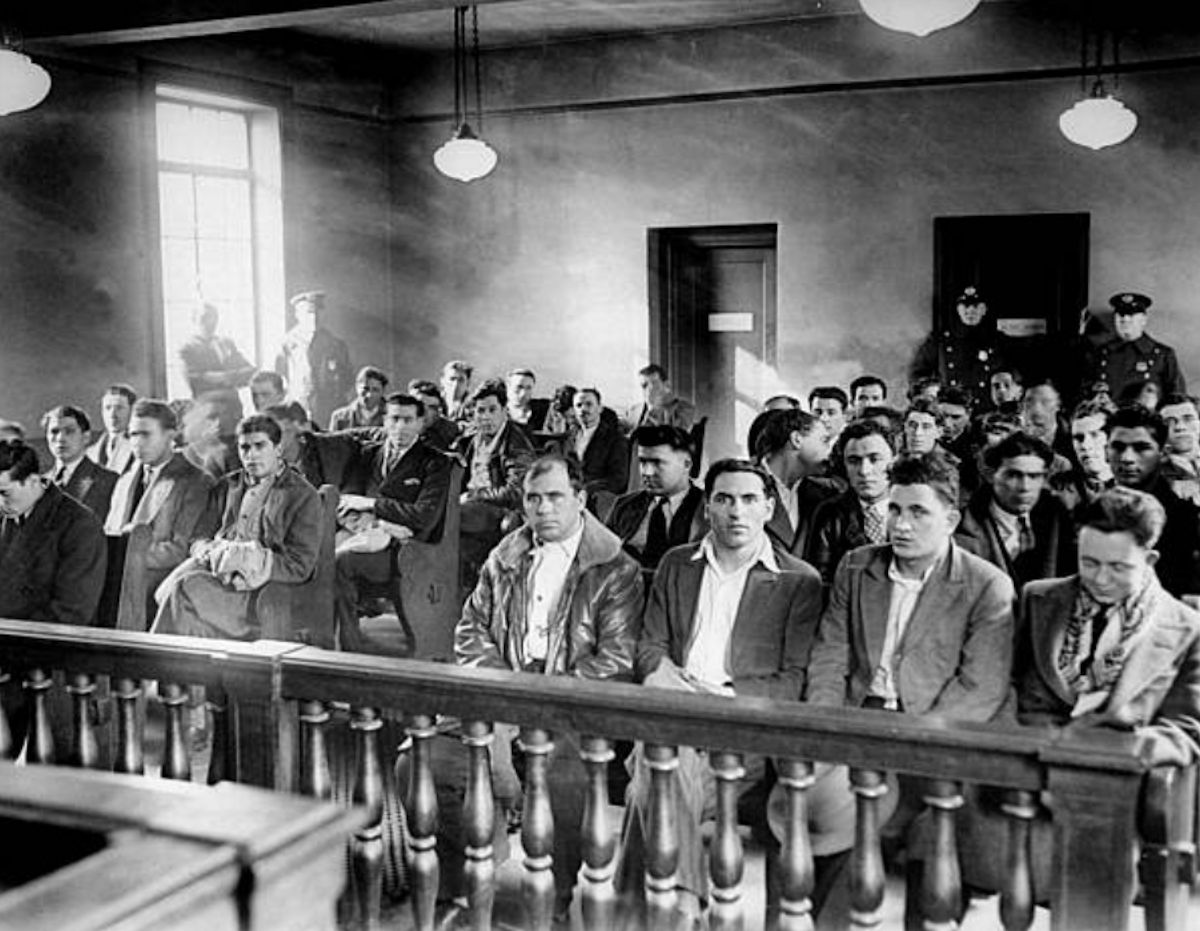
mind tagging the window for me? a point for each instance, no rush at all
(220, 222)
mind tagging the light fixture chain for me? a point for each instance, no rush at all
(478, 83)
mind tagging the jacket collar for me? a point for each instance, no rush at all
(598, 546)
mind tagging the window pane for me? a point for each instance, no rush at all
(174, 131)
(202, 136)
(223, 208)
(226, 270)
(179, 269)
(177, 206)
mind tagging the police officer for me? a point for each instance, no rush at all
(965, 352)
(1131, 357)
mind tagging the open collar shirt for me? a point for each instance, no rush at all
(716, 611)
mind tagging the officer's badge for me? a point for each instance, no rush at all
(1142, 367)
(983, 355)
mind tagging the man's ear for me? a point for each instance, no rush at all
(770, 507)
(1152, 557)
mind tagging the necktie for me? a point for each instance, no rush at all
(60, 475)
(1025, 540)
(112, 448)
(873, 524)
(657, 541)
(1099, 622)
(140, 481)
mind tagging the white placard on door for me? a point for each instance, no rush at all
(731, 323)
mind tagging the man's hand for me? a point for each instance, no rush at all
(355, 503)
(356, 521)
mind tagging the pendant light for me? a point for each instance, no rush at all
(918, 17)
(1100, 119)
(465, 156)
(23, 83)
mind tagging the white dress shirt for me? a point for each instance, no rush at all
(583, 438)
(707, 658)
(547, 576)
(905, 592)
(1009, 527)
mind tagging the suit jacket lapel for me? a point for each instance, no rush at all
(756, 596)
(1152, 653)
(1049, 632)
(874, 601)
(691, 577)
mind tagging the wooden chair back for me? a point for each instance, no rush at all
(430, 601)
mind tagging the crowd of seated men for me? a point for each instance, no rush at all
(987, 559)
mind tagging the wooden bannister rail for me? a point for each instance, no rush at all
(279, 697)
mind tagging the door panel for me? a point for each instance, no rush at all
(713, 323)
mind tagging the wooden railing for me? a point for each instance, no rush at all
(278, 702)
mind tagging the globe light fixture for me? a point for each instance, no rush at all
(918, 17)
(23, 83)
(465, 156)
(1098, 121)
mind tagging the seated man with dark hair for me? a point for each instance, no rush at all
(268, 389)
(158, 508)
(668, 510)
(828, 404)
(1105, 647)
(1136, 439)
(793, 447)
(367, 409)
(397, 492)
(1181, 414)
(67, 434)
(52, 551)
(1089, 439)
(52, 561)
(524, 409)
(922, 427)
(659, 402)
(726, 616)
(113, 450)
(495, 456)
(556, 597)
(867, 391)
(270, 532)
(322, 458)
(436, 429)
(915, 625)
(596, 441)
(857, 517)
(1016, 523)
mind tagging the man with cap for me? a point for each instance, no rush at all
(1132, 357)
(315, 363)
(965, 351)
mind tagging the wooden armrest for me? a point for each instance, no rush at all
(1167, 815)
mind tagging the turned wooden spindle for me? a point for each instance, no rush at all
(479, 818)
(177, 763)
(599, 841)
(7, 750)
(315, 780)
(1016, 895)
(866, 861)
(941, 885)
(222, 758)
(662, 835)
(39, 745)
(366, 849)
(796, 855)
(537, 831)
(726, 862)
(84, 751)
(129, 758)
(421, 809)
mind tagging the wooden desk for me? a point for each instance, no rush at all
(158, 854)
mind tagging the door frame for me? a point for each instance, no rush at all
(664, 246)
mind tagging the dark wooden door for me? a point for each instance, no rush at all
(713, 323)
(1031, 268)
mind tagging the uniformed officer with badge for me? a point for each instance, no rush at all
(1131, 357)
(965, 352)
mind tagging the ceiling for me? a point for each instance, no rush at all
(401, 24)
